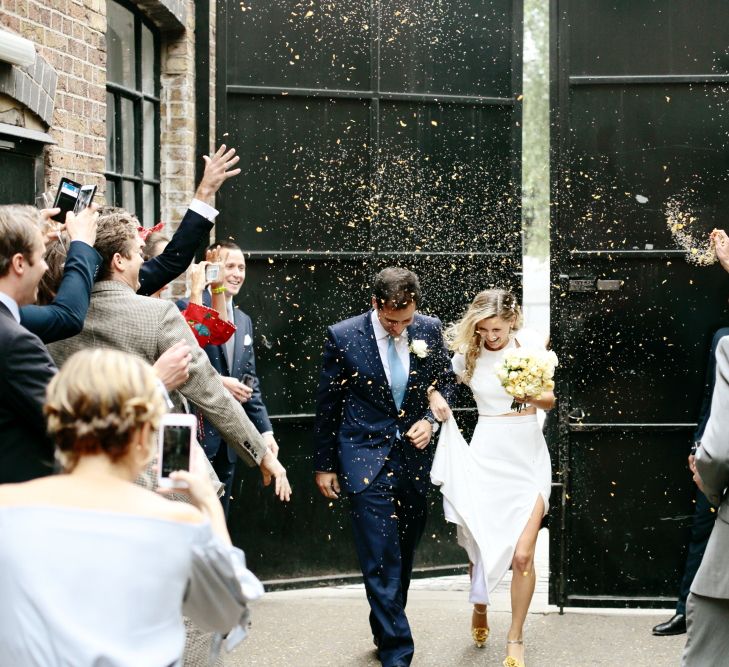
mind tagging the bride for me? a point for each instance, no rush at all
(497, 490)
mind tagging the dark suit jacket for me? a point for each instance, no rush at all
(65, 316)
(194, 230)
(356, 417)
(244, 362)
(26, 368)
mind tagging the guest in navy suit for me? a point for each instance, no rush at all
(235, 360)
(26, 368)
(373, 430)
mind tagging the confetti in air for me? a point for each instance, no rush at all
(688, 235)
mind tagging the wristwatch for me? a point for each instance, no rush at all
(430, 419)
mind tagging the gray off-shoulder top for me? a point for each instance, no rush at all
(82, 587)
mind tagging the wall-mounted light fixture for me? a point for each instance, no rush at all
(16, 50)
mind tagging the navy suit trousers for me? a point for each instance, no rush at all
(388, 519)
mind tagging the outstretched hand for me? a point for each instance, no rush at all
(721, 244)
(218, 169)
(173, 365)
(271, 469)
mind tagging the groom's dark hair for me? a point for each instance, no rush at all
(396, 288)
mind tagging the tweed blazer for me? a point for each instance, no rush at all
(120, 319)
(712, 464)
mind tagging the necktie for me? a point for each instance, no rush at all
(398, 376)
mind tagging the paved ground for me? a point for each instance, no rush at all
(328, 626)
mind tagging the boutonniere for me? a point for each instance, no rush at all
(419, 348)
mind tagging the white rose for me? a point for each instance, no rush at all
(419, 348)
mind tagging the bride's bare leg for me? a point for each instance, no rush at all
(523, 579)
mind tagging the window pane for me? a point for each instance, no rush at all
(121, 54)
(111, 157)
(149, 197)
(148, 81)
(129, 200)
(129, 136)
(110, 193)
(150, 145)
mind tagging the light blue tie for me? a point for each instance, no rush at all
(398, 376)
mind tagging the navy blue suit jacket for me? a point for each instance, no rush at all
(26, 368)
(65, 317)
(244, 362)
(194, 230)
(356, 417)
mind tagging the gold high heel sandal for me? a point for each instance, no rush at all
(510, 660)
(479, 635)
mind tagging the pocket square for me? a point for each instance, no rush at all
(247, 340)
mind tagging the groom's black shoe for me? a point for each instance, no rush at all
(675, 626)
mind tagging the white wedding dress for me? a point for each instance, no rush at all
(490, 487)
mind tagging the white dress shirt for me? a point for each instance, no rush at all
(401, 346)
(11, 305)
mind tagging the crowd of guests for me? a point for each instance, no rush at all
(85, 297)
(76, 297)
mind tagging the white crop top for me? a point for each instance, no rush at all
(491, 397)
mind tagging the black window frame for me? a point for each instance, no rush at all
(138, 97)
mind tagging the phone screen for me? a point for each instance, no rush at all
(175, 448)
(68, 192)
(85, 197)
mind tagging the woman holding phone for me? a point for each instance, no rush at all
(95, 569)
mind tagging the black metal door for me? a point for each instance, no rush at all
(640, 132)
(371, 133)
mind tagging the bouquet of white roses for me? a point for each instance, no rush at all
(526, 373)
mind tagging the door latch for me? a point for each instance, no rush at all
(594, 285)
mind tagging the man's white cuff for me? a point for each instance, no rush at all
(203, 209)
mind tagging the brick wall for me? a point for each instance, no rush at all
(69, 36)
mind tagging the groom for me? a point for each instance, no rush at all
(373, 428)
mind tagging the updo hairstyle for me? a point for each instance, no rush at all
(462, 337)
(96, 403)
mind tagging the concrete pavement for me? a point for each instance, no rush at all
(328, 626)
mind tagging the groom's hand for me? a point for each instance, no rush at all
(420, 433)
(328, 484)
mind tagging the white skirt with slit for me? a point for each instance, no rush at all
(489, 490)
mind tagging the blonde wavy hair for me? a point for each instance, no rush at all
(97, 402)
(461, 336)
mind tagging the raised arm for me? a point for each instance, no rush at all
(194, 230)
(65, 316)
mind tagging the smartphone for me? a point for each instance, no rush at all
(85, 197)
(248, 380)
(66, 198)
(212, 273)
(176, 436)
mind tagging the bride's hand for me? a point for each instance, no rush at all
(439, 406)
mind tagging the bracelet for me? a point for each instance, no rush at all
(218, 290)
